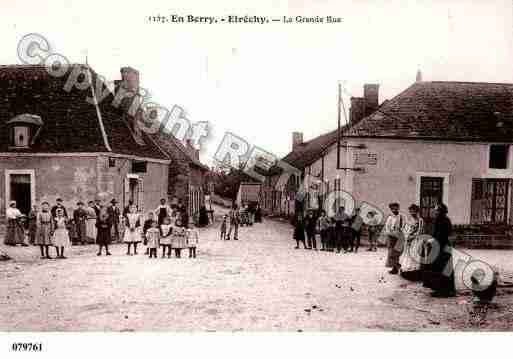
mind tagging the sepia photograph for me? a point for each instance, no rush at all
(255, 175)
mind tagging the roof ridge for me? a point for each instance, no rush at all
(470, 82)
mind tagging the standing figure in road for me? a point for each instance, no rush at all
(182, 214)
(32, 224)
(342, 229)
(133, 229)
(91, 223)
(162, 212)
(104, 227)
(44, 231)
(153, 238)
(322, 228)
(59, 205)
(310, 228)
(223, 227)
(203, 217)
(393, 230)
(80, 218)
(166, 237)
(148, 223)
(372, 230)
(15, 232)
(234, 216)
(178, 238)
(192, 241)
(60, 239)
(258, 214)
(439, 274)
(410, 260)
(115, 215)
(356, 230)
(299, 231)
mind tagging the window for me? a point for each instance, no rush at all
(499, 156)
(139, 166)
(112, 162)
(21, 136)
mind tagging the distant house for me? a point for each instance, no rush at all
(187, 175)
(60, 143)
(433, 142)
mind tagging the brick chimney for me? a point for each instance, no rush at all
(371, 96)
(297, 139)
(130, 82)
(130, 79)
(191, 150)
(357, 110)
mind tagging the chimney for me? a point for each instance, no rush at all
(297, 139)
(371, 96)
(418, 78)
(130, 79)
(191, 150)
(357, 110)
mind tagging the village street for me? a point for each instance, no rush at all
(257, 283)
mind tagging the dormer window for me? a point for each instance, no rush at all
(21, 136)
(24, 130)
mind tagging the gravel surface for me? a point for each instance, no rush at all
(257, 283)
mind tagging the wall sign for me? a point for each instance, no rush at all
(365, 158)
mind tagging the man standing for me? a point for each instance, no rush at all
(356, 230)
(310, 228)
(162, 211)
(58, 206)
(114, 214)
(394, 232)
(80, 218)
(234, 216)
(342, 229)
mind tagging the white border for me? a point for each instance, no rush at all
(444, 175)
(32, 174)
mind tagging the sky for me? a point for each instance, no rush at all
(262, 82)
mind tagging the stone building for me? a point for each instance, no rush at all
(59, 140)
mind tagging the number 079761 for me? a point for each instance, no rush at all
(27, 347)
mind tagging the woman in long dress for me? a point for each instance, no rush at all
(439, 273)
(60, 239)
(44, 230)
(15, 231)
(133, 229)
(104, 226)
(91, 230)
(166, 238)
(410, 260)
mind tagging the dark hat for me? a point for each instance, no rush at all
(113, 201)
(80, 203)
(45, 202)
(58, 199)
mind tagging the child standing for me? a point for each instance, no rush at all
(322, 228)
(356, 230)
(152, 239)
(147, 225)
(192, 241)
(166, 238)
(60, 236)
(44, 230)
(372, 229)
(178, 241)
(223, 227)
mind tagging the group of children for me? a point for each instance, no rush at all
(337, 233)
(170, 236)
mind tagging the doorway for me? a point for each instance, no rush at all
(431, 194)
(20, 187)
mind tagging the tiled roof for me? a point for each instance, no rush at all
(455, 111)
(175, 149)
(71, 122)
(308, 152)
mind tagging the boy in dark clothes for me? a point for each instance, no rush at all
(310, 228)
(147, 225)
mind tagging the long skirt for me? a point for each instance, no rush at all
(103, 238)
(44, 235)
(81, 231)
(61, 238)
(411, 259)
(439, 275)
(395, 249)
(15, 233)
(166, 241)
(91, 230)
(132, 236)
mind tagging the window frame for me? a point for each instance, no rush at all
(508, 156)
